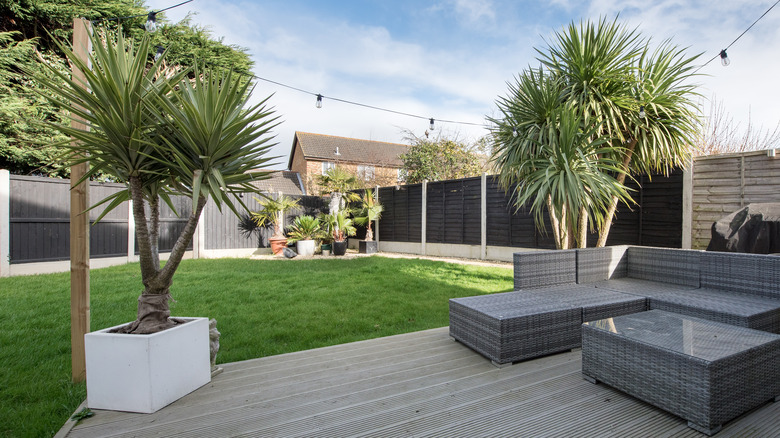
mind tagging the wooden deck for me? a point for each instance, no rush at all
(418, 384)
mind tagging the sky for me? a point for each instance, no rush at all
(452, 59)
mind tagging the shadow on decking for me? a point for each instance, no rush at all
(418, 384)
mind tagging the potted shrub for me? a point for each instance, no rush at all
(158, 135)
(273, 213)
(368, 211)
(341, 227)
(303, 231)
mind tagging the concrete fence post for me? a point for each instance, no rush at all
(130, 232)
(5, 223)
(483, 207)
(687, 207)
(376, 222)
(423, 229)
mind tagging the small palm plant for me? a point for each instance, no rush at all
(304, 227)
(273, 213)
(369, 210)
(339, 225)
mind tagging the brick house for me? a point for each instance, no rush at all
(376, 163)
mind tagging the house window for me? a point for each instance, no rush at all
(326, 166)
(366, 173)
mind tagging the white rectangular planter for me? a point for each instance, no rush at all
(144, 373)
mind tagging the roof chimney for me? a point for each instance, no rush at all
(337, 151)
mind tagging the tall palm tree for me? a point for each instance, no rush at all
(159, 136)
(607, 75)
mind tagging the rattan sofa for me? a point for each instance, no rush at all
(596, 283)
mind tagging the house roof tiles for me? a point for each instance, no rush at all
(283, 181)
(353, 150)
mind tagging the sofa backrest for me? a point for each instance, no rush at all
(597, 264)
(755, 274)
(534, 269)
(675, 266)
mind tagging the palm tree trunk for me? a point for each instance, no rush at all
(621, 178)
(154, 231)
(153, 304)
(555, 223)
(582, 232)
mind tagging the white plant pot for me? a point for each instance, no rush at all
(144, 373)
(305, 247)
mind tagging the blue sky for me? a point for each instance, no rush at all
(451, 59)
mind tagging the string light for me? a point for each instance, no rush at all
(160, 51)
(514, 132)
(151, 22)
(642, 113)
(724, 58)
(432, 127)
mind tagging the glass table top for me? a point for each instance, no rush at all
(695, 337)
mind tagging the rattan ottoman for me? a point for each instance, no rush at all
(703, 371)
(514, 326)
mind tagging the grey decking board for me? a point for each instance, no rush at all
(420, 369)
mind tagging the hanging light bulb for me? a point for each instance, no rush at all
(642, 113)
(432, 127)
(319, 101)
(514, 132)
(724, 58)
(160, 51)
(151, 22)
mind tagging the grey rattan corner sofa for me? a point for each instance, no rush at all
(556, 291)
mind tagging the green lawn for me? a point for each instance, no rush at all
(262, 307)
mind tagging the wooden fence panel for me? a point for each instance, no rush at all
(722, 184)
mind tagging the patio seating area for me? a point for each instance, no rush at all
(417, 384)
(734, 299)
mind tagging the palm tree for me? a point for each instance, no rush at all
(273, 213)
(609, 77)
(338, 183)
(159, 136)
(369, 210)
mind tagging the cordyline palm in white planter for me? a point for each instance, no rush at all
(161, 135)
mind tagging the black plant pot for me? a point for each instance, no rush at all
(339, 248)
(367, 247)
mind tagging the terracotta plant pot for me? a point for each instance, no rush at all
(277, 244)
(339, 248)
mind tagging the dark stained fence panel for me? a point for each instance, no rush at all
(40, 220)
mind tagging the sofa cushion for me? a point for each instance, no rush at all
(597, 264)
(645, 288)
(535, 269)
(754, 274)
(676, 266)
(743, 310)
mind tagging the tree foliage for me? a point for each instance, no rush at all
(437, 160)
(160, 135)
(638, 103)
(28, 34)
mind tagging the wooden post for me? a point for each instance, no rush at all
(79, 229)
(687, 207)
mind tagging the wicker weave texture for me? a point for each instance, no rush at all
(742, 310)
(597, 264)
(754, 274)
(514, 326)
(595, 303)
(645, 288)
(534, 269)
(707, 389)
(676, 266)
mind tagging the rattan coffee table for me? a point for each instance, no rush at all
(705, 372)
